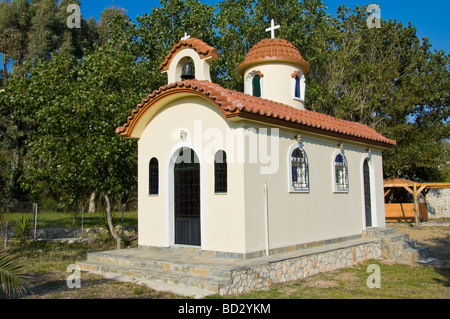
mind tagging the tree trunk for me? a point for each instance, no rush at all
(74, 218)
(5, 68)
(92, 207)
(110, 224)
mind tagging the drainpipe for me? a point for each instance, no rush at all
(266, 216)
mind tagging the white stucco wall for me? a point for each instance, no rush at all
(222, 215)
(277, 83)
(235, 222)
(320, 214)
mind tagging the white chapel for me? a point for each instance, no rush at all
(254, 173)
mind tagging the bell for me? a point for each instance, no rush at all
(188, 72)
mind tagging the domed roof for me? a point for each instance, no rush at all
(274, 50)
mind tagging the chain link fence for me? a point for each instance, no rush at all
(48, 222)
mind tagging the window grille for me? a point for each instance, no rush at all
(220, 172)
(300, 170)
(154, 177)
(341, 172)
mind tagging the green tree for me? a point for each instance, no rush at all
(389, 79)
(29, 32)
(15, 22)
(76, 151)
(156, 33)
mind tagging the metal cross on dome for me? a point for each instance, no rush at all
(273, 28)
(186, 36)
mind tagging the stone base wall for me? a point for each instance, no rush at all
(438, 201)
(259, 277)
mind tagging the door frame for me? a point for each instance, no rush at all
(170, 195)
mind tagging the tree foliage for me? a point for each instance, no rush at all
(389, 79)
(70, 88)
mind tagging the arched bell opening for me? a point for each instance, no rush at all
(186, 69)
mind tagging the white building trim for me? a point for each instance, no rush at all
(170, 196)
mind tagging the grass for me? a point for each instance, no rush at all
(48, 220)
(398, 281)
(46, 266)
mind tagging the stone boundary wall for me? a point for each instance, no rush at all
(293, 269)
(438, 201)
(63, 233)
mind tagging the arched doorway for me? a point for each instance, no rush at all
(367, 194)
(187, 207)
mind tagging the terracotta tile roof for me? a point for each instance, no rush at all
(236, 104)
(274, 50)
(203, 50)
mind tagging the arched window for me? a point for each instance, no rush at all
(299, 86)
(341, 182)
(153, 177)
(256, 86)
(299, 170)
(220, 173)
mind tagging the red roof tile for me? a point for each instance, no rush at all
(274, 50)
(236, 104)
(203, 50)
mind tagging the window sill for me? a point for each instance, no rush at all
(294, 191)
(297, 99)
(220, 194)
(341, 191)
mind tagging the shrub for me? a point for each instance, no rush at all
(12, 279)
(23, 228)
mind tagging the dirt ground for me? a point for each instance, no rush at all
(433, 234)
(52, 284)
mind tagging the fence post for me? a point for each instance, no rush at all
(35, 220)
(122, 218)
(82, 221)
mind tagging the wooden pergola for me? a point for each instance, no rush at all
(415, 189)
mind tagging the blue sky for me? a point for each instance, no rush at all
(429, 17)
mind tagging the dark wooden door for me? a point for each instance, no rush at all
(187, 199)
(367, 194)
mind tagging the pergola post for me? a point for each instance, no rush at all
(416, 206)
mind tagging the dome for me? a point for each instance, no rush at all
(274, 50)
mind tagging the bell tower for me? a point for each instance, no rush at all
(275, 70)
(189, 59)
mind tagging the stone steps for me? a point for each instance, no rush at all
(178, 263)
(398, 246)
(194, 273)
(378, 232)
(197, 274)
(182, 279)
